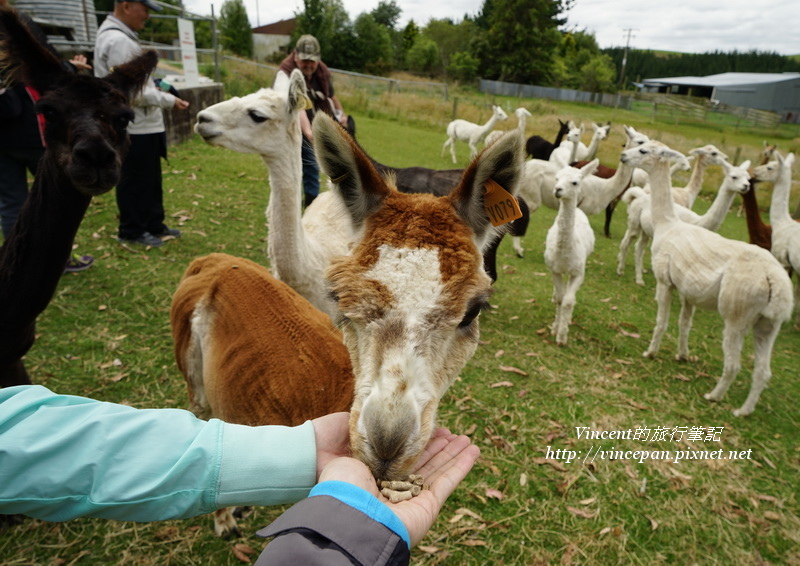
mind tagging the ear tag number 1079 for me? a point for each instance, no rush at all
(501, 206)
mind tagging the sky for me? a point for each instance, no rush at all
(688, 26)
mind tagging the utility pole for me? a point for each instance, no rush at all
(629, 31)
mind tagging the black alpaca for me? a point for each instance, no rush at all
(86, 138)
(539, 148)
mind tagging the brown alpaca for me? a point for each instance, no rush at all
(86, 139)
(254, 352)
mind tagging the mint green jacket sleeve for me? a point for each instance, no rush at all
(64, 456)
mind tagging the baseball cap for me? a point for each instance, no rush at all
(307, 48)
(149, 3)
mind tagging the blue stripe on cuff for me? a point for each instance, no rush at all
(365, 502)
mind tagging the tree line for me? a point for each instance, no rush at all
(521, 41)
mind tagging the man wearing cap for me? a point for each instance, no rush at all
(319, 90)
(139, 192)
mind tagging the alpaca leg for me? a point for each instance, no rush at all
(664, 300)
(764, 334)
(684, 327)
(638, 254)
(732, 339)
(558, 298)
(449, 142)
(473, 148)
(224, 524)
(567, 306)
(623, 250)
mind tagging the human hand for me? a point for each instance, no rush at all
(445, 461)
(332, 434)
(79, 62)
(181, 104)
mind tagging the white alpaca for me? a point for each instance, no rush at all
(522, 116)
(640, 222)
(470, 132)
(705, 156)
(569, 242)
(267, 123)
(579, 152)
(744, 283)
(785, 230)
(567, 151)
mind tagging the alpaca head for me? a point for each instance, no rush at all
(574, 134)
(86, 118)
(709, 154)
(569, 179)
(649, 155)
(265, 122)
(409, 294)
(768, 172)
(499, 113)
(601, 132)
(522, 113)
(634, 138)
(737, 178)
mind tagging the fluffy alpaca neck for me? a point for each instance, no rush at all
(565, 221)
(32, 261)
(755, 225)
(487, 127)
(696, 179)
(715, 215)
(592, 149)
(663, 209)
(286, 241)
(779, 207)
(573, 155)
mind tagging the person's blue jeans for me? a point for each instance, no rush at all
(310, 172)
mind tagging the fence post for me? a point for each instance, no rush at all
(455, 107)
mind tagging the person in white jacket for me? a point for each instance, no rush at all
(139, 192)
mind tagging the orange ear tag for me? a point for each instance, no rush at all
(501, 206)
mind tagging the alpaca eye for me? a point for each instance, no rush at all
(472, 312)
(256, 117)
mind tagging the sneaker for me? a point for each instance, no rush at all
(174, 232)
(78, 263)
(146, 239)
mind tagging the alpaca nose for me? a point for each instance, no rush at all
(94, 153)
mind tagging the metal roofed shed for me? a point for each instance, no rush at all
(69, 24)
(774, 92)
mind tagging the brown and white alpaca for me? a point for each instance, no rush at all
(86, 139)
(267, 122)
(409, 293)
(785, 231)
(253, 351)
(440, 182)
(744, 283)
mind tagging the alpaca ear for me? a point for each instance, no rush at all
(745, 165)
(351, 171)
(133, 75)
(23, 58)
(297, 91)
(669, 153)
(501, 162)
(590, 168)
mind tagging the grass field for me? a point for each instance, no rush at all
(106, 335)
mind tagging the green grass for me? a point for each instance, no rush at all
(106, 335)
